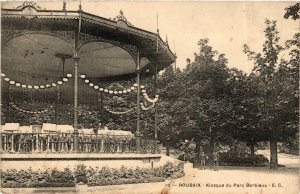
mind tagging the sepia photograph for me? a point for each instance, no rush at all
(149, 97)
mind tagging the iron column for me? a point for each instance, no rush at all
(155, 114)
(76, 60)
(138, 135)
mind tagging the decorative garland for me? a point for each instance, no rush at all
(27, 111)
(154, 100)
(145, 95)
(46, 86)
(125, 91)
(134, 87)
(118, 112)
(147, 108)
(107, 90)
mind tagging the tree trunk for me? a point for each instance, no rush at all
(168, 150)
(273, 150)
(211, 152)
(197, 150)
(252, 150)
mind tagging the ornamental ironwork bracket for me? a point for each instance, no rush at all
(86, 38)
(8, 35)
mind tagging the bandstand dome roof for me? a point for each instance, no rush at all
(106, 47)
(38, 45)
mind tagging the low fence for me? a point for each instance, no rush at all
(64, 143)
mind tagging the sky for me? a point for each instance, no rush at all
(227, 25)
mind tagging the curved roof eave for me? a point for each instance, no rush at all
(60, 14)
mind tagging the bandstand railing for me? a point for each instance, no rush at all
(27, 143)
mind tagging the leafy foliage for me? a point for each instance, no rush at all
(124, 175)
(31, 178)
(233, 159)
(217, 105)
(293, 11)
(277, 86)
(90, 176)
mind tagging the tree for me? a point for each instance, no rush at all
(272, 99)
(293, 11)
(174, 124)
(288, 83)
(244, 119)
(207, 90)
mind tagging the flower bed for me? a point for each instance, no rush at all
(90, 176)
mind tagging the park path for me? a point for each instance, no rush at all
(225, 181)
(288, 160)
(228, 180)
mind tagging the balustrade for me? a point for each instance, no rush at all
(64, 143)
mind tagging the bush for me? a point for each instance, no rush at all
(111, 176)
(38, 178)
(90, 176)
(80, 173)
(234, 159)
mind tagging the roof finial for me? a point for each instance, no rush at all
(174, 49)
(64, 5)
(175, 54)
(167, 40)
(157, 32)
(122, 17)
(80, 7)
(157, 24)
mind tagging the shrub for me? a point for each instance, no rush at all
(111, 176)
(234, 159)
(90, 176)
(37, 178)
(80, 173)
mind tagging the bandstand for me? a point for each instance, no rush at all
(64, 56)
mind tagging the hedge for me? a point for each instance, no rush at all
(233, 159)
(90, 176)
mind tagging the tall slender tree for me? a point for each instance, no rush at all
(272, 102)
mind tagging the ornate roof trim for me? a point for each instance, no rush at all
(28, 4)
(122, 18)
(130, 29)
(41, 16)
(33, 11)
(29, 11)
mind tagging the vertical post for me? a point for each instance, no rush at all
(48, 142)
(42, 145)
(37, 146)
(57, 104)
(155, 114)
(76, 60)
(76, 104)
(1, 147)
(12, 143)
(155, 92)
(102, 108)
(8, 120)
(102, 145)
(138, 135)
(5, 142)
